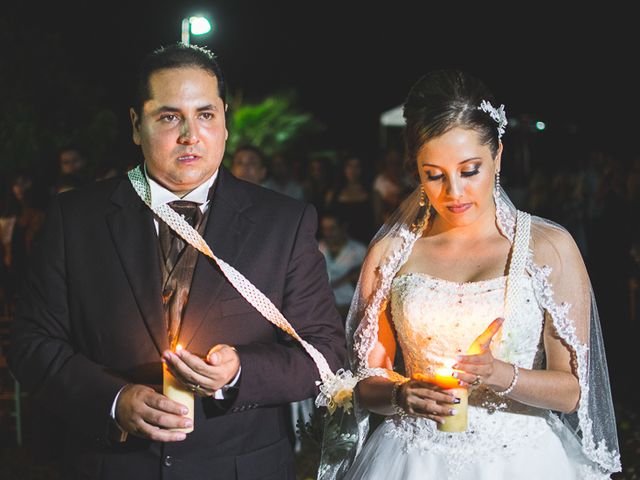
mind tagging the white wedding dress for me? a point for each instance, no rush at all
(436, 319)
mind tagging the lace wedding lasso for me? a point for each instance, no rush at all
(516, 269)
(331, 384)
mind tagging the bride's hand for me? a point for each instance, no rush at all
(424, 399)
(478, 365)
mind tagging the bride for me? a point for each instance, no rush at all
(459, 278)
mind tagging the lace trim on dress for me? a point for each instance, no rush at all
(485, 440)
(505, 220)
(541, 289)
(565, 328)
(367, 333)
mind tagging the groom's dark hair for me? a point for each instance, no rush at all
(177, 55)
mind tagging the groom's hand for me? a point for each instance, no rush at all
(204, 376)
(143, 412)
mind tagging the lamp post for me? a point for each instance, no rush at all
(195, 25)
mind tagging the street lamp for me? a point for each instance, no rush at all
(195, 25)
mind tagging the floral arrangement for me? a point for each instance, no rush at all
(337, 391)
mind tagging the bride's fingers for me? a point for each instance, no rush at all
(473, 374)
(467, 378)
(483, 358)
(469, 368)
(429, 407)
(483, 340)
(435, 418)
(434, 395)
(430, 416)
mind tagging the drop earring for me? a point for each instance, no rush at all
(424, 212)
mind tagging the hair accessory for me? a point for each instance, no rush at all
(497, 114)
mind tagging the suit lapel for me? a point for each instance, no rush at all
(135, 239)
(226, 233)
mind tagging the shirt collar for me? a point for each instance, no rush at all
(160, 195)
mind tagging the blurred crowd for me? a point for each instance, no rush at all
(597, 200)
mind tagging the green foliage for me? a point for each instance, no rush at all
(310, 434)
(274, 125)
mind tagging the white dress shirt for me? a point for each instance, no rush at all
(161, 196)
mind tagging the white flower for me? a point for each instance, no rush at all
(336, 391)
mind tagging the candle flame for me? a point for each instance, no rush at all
(443, 375)
(444, 371)
(447, 367)
(178, 347)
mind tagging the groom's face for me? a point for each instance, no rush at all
(181, 128)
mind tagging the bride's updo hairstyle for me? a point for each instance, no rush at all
(442, 100)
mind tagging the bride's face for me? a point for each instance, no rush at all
(457, 174)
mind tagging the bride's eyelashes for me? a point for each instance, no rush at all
(431, 177)
(468, 173)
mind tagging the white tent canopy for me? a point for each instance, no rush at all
(392, 118)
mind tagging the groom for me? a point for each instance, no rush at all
(112, 289)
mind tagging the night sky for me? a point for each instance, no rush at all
(350, 61)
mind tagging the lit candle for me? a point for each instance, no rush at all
(176, 391)
(444, 379)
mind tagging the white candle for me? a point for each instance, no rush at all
(458, 422)
(444, 379)
(177, 392)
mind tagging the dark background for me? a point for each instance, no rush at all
(349, 61)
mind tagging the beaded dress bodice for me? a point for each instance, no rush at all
(435, 320)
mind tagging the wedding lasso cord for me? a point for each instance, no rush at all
(332, 385)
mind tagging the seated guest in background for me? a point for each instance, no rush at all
(352, 198)
(318, 182)
(344, 257)
(392, 184)
(72, 169)
(20, 222)
(248, 164)
(280, 178)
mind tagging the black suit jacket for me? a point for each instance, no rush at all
(90, 321)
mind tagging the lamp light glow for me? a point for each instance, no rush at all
(199, 25)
